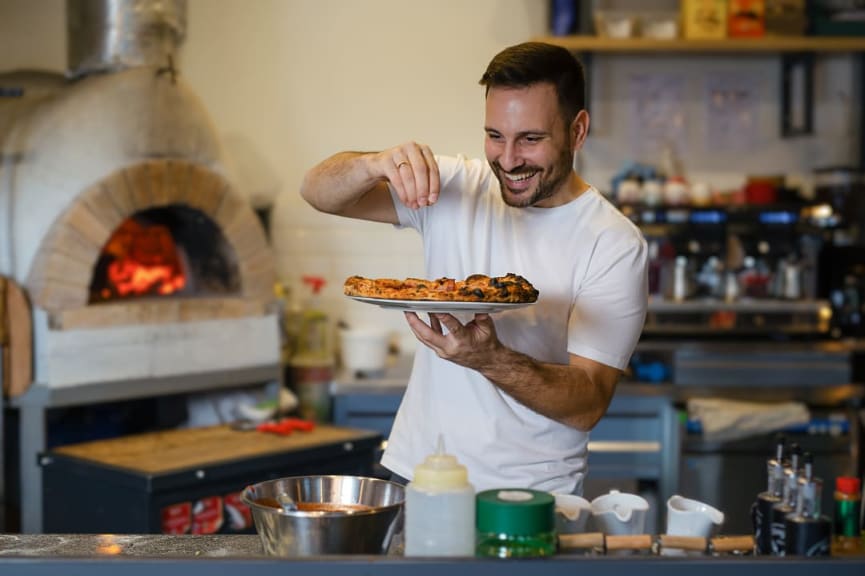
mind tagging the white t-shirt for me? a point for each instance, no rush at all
(589, 264)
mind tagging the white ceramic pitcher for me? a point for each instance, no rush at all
(687, 517)
(572, 513)
(619, 513)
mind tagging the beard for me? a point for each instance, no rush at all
(550, 182)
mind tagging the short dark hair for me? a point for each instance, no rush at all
(531, 63)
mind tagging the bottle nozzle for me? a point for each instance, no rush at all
(440, 470)
(779, 448)
(809, 466)
(315, 282)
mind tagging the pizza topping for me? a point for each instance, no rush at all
(510, 288)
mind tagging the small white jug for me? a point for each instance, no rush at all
(619, 513)
(687, 517)
(572, 513)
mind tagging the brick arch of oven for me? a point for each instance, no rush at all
(60, 277)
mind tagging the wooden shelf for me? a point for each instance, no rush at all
(727, 45)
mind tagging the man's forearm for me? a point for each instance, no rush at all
(565, 393)
(339, 182)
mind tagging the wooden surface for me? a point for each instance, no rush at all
(725, 45)
(598, 540)
(16, 337)
(160, 452)
(733, 543)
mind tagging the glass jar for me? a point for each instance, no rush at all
(846, 537)
(515, 523)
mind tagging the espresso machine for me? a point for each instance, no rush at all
(841, 274)
(737, 272)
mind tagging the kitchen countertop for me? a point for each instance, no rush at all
(393, 378)
(135, 545)
(97, 554)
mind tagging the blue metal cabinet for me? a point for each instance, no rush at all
(367, 410)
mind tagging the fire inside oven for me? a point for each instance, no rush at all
(165, 252)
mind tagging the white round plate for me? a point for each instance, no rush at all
(442, 307)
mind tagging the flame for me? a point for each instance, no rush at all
(130, 278)
(145, 261)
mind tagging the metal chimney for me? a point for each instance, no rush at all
(111, 35)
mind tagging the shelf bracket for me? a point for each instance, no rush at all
(797, 94)
(585, 59)
(860, 65)
(582, 24)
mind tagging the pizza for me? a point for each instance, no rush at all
(510, 288)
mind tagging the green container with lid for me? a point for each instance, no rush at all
(515, 523)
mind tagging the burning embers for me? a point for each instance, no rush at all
(160, 252)
(144, 261)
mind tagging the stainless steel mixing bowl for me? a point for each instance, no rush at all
(299, 533)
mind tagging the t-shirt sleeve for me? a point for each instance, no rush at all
(608, 312)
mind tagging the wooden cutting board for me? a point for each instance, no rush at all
(173, 450)
(16, 338)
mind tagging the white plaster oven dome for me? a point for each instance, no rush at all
(98, 125)
(104, 132)
(78, 159)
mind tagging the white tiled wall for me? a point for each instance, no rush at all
(310, 243)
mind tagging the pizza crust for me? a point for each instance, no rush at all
(510, 288)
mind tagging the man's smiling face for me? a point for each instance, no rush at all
(527, 144)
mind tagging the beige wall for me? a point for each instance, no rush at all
(297, 80)
(289, 82)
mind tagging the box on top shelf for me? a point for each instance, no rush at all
(837, 17)
(746, 18)
(786, 18)
(704, 19)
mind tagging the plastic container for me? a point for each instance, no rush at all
(440, 508)
(518, 523)
(846, 538)
(315, 341)
(311, 366)
(291, 317)
(364, 349)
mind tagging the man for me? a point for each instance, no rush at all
(514, 397)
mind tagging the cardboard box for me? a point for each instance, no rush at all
(837, 17)
(746, 18)
(786, 18)
(704, 19)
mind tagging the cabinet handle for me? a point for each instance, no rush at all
(611, 446)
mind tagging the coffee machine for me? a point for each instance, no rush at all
(841, 262)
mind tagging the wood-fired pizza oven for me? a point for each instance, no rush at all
(119, 214)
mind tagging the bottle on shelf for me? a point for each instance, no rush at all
(291, 316)
(655, 265)
(847, 538)
(440, 508)
(315, 342)
(311, 366)
(761, 512)
(681, 280)
(787, 505)
(807, 532)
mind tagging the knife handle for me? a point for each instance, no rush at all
(697, 543)
(629, 542)
(733, 544)
(586, 540)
